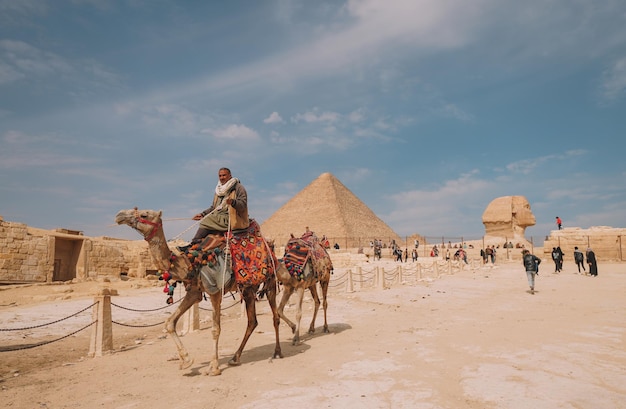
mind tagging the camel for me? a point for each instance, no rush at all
(317, 268)
(149, 224)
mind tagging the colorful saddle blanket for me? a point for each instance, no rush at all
(251, 261)
(299, 251)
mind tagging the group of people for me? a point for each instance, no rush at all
(399, 254)
(489, 253)
(531, 263)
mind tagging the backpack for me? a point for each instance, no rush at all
(578, 256)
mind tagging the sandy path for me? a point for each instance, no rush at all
(475, 339)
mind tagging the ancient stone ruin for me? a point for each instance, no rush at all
(508, 217)
(36, 255)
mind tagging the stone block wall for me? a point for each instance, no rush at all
(28, 255)
(608, 243)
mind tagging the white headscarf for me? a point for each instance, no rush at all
(221, 190)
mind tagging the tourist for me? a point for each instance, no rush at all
(591, 260)
(579, 259)
(531, 264)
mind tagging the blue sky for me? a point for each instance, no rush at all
(425, 109)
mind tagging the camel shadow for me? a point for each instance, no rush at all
(265, 352)
(319, 331)
(250, 356)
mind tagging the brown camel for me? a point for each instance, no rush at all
(149, 224)
(317, 267)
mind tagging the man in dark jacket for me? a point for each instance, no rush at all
(531, 264)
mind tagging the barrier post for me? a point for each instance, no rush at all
(360, 276)
(400, 275)
(102, 333)
(191, 319)
(350, 287)
(381, 279)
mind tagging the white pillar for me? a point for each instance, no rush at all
(102, 333)
(191, 319)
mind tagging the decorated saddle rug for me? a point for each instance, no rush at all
(251, 261)
(299, 251)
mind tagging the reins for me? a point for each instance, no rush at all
(155, 226)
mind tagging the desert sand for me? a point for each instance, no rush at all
(475, 339)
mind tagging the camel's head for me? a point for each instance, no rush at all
(146, 222)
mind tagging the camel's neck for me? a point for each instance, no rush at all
(162, 256)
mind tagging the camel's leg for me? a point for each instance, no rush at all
(281, 307)
(296, 333)
(216, 303)
(271, 298)
(316, 300)
(249, 296)
(192, 296)
(324, 284)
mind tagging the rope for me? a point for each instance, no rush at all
(48, 323)
(184, 231)
(19, 348)
(151, 310)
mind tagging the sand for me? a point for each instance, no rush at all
(473, 339)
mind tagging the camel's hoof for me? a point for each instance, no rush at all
(213, 372)
(311, 331)
(232, 362)
(326, 330)
(278, 354)
(185, 363)
(295, 342)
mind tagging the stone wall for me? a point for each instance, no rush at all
(608, 243)
(36, 255)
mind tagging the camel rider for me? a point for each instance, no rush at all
(229, 208)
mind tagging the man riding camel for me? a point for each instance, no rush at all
(229, 210)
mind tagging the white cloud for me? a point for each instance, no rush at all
(234, 132)
(314, 116)
(356, 116)
(274, 118)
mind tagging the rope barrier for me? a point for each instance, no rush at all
(48, 323)
(21, 347)
(137, 325)
(150, 310)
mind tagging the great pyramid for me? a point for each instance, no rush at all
(327, 208)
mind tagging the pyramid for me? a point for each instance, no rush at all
(327, 208)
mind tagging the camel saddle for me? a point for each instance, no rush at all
(242, 255)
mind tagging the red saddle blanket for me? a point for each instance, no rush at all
(252, 259)
(299, 250)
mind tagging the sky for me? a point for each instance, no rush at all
(427, 110)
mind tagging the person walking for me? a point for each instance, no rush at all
(579, 259)
(561, 255)
(591, 260)
(558, 222)
(555, 258)
(531, 264)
